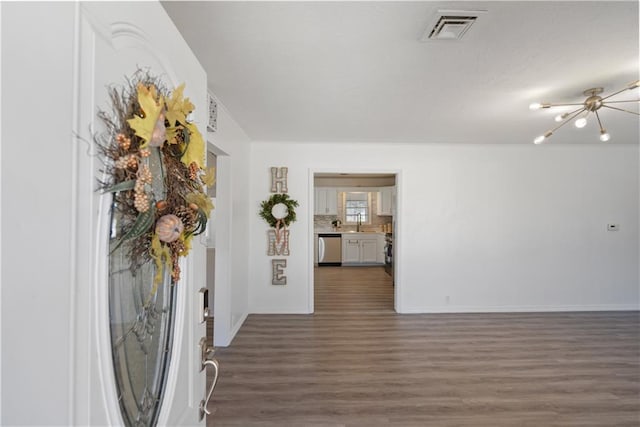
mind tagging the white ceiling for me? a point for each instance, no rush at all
(357, 72)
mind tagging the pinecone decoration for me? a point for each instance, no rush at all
(175, 274)
(177, 249)
(193, 170)
(188, 217)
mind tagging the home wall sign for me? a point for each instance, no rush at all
(279, 179)
(278, 243)
(279, 212)
(277, 271)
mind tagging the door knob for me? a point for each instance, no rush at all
(206, 358)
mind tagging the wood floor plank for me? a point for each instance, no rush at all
(355, 362)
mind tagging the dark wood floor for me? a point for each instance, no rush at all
(357, 363)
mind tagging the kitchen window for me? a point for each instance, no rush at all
(357, 207)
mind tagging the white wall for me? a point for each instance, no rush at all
(232, 276)
(486, 228)
(37, 91)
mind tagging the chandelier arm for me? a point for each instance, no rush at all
(562, 105)
(568, 119)
(577, 110)
(615, 93)
(628, 100)
(599, 122)
(620, 109)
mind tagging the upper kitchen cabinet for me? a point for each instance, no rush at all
(326, 202)
(386, 200)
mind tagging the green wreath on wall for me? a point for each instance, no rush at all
(278, 210)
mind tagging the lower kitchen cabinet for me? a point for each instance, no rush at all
(369, 251)
(362, 249)
(350, 251)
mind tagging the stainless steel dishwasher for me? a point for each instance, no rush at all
(330, 249)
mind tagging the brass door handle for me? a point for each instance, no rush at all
(205, 402)
(207, 359)
(216, 369)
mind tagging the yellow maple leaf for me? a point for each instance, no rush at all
(187, 243)
(161, 255)
(195, 148)
(152, 108)
(209, 176)
(172, 133)
(178, 108)
(201, 200)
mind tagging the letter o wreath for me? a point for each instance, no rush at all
(278, 208)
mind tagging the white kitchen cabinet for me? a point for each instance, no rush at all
(369, 251)
(362, 249)
(350, 250)
(385, 201)
(326, 201)
(380, 248)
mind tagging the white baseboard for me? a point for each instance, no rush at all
(236, 327)
(272, 311)
(521, 308)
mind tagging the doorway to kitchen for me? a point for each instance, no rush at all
(353, 222)
(366, 289)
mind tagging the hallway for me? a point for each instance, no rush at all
(355, 362)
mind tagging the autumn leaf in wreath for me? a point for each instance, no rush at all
(178, 108)
(152, 108)
(195, 151)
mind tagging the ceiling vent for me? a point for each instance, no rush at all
(451, 24)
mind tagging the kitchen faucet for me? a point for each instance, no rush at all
(359, 224)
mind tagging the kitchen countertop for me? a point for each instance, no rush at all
(348, 232)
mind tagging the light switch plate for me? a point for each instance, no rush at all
(613, 227)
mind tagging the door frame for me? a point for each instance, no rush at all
(222, 325)
(397, 232)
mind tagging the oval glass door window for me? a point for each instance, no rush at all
(142, 323)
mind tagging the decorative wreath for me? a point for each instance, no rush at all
(272, 203)
(154, 166)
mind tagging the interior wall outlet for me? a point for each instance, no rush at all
(613, 227)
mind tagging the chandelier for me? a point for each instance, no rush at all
(592, 104)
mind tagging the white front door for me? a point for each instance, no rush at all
(113, 41)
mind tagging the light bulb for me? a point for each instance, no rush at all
(561, 117)
(604, 136)
(581, 122)
(541, 138)
(535, 106)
